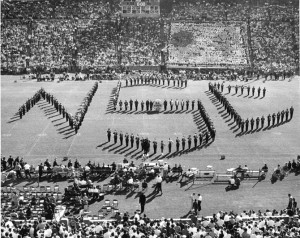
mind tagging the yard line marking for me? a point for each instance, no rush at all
(38, 139)
(71, 145)
(42, 134)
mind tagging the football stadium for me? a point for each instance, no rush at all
(150, 118)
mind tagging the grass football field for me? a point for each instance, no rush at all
(42, 133)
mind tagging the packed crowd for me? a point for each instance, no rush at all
(222, 224)
(102, 9)
(232, 10)
(274, 45)
(265, 26)
(195, 44)
(62, 35)
(126, 41)
(19, 206)
(197, 10)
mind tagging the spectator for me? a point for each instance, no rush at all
(142, 201)
(27, 170)
(158, 187)
(14, 199)
(18, 170)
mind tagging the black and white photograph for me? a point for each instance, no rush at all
(150, 118)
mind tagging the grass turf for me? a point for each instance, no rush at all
(42, 134)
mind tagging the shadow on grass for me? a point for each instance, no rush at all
(102, 144)
(14, 120)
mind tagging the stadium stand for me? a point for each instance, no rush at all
(88, 34)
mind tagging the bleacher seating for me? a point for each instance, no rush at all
(40, 35)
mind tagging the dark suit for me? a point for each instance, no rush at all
(142, 201)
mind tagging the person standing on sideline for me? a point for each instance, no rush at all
(165, 170)
(290, 202)
(158, 184)
(193, 197)
(142, 201)
(18, 170)
(27, 170)
(199, 202)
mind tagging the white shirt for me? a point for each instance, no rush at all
(15, 235)
(278, 223)
(220, 222)
(98, 228)
(10, 224)
(107, 234)
(153, 236)
(196, 235)
(270, 223)
(130, 181)
(200, 198)
(137, 216)
(31, 232)
(158, 179)
(192, 229)
(238, 218)
(26, 166)
(226, 218)
(48, 233)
